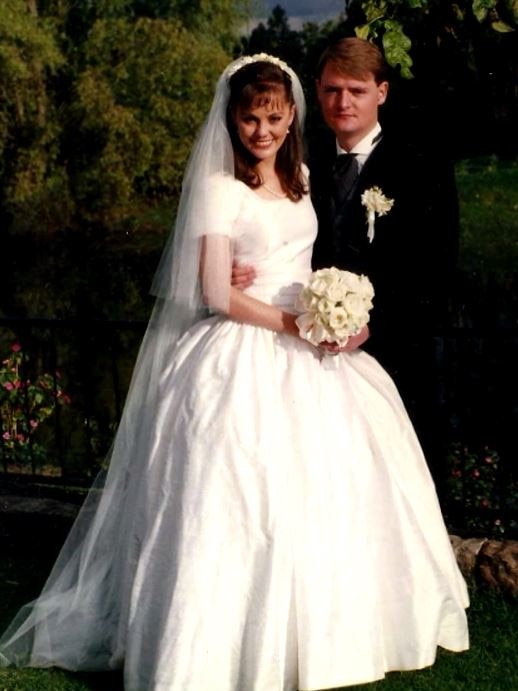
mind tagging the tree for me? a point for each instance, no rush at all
(101, 104)
(393, 22)
(29, 129)
(276, 38)
(138, 104)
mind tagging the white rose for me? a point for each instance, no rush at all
(338, 318)
(325, 306)
(319, 333)
(352, 282)
(366, 287)
(318, 286)
(354, 304)
(305, 323)
(335, 292)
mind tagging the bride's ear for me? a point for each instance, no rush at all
(292, 114)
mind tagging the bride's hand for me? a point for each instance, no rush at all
(242, 276)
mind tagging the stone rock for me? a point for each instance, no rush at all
(498, 565)
(491, 563)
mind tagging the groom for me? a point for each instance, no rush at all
(411, 255)
(413, 251)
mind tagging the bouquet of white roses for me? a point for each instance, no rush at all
(335, 305)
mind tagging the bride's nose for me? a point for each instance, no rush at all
(262, 128)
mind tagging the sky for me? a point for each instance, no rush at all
(301, 11)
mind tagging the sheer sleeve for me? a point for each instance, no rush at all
(215, 271)
(217, 226)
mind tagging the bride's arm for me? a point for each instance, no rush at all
(247, 309)
(218, 293)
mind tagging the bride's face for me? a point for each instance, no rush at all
(263, 126)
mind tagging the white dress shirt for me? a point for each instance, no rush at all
(364, 147)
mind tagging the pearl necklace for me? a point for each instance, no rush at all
(275, 194)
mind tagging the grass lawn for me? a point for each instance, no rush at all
(490, 664)
(488, 200)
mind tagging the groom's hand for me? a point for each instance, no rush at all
(242, 276)
(353, 343)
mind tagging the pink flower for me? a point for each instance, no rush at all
(20, 437)
(456, 473)
(8, 386)
(6, 436)
(484, 503)
(18, 384)
(488, 459)
(16, 347)
(476, 473)
(33, 423)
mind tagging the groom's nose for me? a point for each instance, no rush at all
(344, 98)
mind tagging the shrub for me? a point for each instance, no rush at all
(477, 494)
(24, 406)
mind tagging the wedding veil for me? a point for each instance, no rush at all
(78, 620)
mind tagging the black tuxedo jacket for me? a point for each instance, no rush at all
(411, 259)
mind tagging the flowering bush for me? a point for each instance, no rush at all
(24, 406)
(475, 489)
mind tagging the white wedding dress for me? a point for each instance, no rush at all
(285, 533)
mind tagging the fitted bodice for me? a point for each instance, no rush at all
(276, 237)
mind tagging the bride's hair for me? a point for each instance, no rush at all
(257, 84)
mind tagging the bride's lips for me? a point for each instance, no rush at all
(265, 142)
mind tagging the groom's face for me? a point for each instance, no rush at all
(349, 104)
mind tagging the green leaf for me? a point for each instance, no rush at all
(482, 7)
(374, 9)
(363, 31)
(396, 46)
(512, 6)
(501, 27)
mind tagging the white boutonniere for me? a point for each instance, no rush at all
(376, 204)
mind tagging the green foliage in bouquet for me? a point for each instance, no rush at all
(24, 405)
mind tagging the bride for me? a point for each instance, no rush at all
(264, 523)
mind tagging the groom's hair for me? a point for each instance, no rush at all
(354, 57)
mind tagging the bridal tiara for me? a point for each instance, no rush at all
(258, 57)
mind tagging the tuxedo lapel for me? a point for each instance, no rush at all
(342, 236)
(353, 218)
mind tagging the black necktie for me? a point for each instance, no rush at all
(345, 172)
